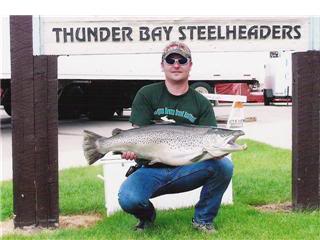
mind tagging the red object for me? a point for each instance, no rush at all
(239, 89)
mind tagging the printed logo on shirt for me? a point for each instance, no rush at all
(175, 112)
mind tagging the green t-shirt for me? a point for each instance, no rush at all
(155, 101)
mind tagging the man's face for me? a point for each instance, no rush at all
(176, 68)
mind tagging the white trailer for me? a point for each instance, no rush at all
(278, 77)
(100, 85)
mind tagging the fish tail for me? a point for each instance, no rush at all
(90, 147)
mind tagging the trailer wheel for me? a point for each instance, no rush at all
(6, 101)
(267, 101)
(267, 96)
(119, 112)
(202, 87)
(71, 102)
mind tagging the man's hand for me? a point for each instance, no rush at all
(129, 156)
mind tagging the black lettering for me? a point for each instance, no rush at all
(156, 32)
(201, 32)
(66, 34)
(276, 32)
(253, 32)
(220, 36)
(233, 32)
(286, 31)
(126, 33)
(167, 31)
(263, 34)
(144, 33)
(93, 33)
(297, 31)
(57, 30)
(104, 34)
(116, 34)
(242, 32)
(181, 31)
(211, 32)
(83, 37)
(191, 28)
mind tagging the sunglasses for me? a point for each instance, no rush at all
(181, 61)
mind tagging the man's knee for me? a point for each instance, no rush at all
(130, 201)
(222, 167)
(227, 167)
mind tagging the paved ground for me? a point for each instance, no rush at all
(273, 126)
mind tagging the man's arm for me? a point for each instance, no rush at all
(141, 110)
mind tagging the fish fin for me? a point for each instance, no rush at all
(116, 152)
(116, 131)
(212, 152)
(161, 122)
(90, 147)
(197, 158)
(142, 161)
(152, 162)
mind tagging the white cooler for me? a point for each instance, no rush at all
(114, 170)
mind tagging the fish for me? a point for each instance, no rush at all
(169, 144)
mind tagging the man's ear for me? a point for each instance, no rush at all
(161, 64)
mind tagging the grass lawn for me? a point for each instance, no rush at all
(262, 175)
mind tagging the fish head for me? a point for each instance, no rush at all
(222, 140)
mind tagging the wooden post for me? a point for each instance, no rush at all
(306, 130)
(34, 130)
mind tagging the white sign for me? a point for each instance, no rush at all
(225, 97)
(101, 35)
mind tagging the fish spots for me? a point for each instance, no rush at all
(171, 142)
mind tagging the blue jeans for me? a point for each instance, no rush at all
(148, 182)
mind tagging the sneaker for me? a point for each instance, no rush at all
(145, 224)
(203, 227)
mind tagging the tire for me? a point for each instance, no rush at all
(71, 102)
(202, 87)
(6, 101)
(266, 101)
(119, 112)
(267, 96)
